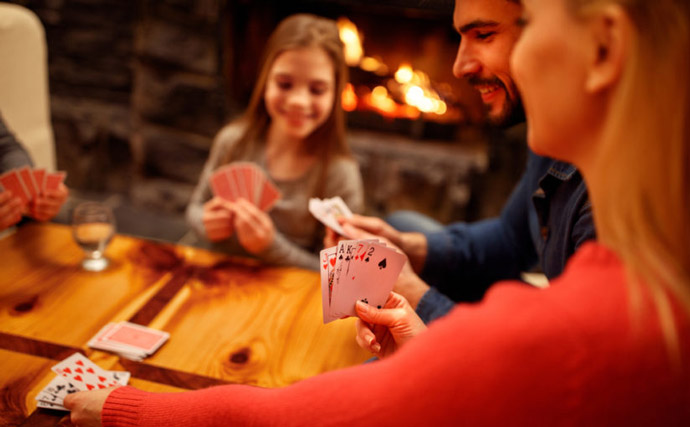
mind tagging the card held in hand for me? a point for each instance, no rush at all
(245, 180)
(77, 373)
(328, 211)
(357, 270)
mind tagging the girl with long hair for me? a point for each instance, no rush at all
(293, 129)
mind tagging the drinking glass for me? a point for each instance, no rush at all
(93, 226)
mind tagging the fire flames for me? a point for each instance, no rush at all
(408, 94)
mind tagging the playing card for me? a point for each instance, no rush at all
(53, 180)
(269, 196)
(77, 373)
(344, 255)
(220, 185)
(46, 405)
(328, 211)
(39, 178)
(85, 374)
(136, 337)
(12, 182)
(327, 270)
(27, 178)
(56, 390)
(367, 276)
(258, 180)
(238, 177)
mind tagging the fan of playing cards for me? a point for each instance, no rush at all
(129, 340)
(77, 373)
(328, 211)
(357, 270)
(245, 180)
(27, 183)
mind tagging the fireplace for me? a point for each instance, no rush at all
(399, 53)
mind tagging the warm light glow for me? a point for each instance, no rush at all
(404, 74)
(349, 100)
(413, 87)
(352, 41)
(373, 65)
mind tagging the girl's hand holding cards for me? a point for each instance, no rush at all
(218, 219)
(255, 229)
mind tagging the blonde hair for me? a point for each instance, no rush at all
(643, 212)
(295, 32)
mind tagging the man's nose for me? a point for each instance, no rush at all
(466, 63)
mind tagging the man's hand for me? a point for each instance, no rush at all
(414, 245)
(217, 219)
(86, 406)
(383, 331)
(255, 229)
(47, 205)
(10, 210)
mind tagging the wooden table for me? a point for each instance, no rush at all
(230, 320)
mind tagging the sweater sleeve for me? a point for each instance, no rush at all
(12, 154)
(345, 180)
(434, 380)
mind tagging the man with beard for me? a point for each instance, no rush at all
(546, 218)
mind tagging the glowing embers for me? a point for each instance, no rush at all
(407, 93)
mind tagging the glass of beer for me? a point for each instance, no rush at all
(93, 226)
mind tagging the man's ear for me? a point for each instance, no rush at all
(611, 37)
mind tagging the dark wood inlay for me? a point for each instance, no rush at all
(151, 309)
(34, 347)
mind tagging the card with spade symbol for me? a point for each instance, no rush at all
(364, 270)
(84, 373)
(77, 373)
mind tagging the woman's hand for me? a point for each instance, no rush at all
(255, 229)
(383, 331)
(47, 205)
(218, 219)
(10, 210)
(86, 406)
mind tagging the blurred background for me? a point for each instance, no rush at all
(138, 89)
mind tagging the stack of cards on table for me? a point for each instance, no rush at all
(77, 373)
(245, 180)
(27, 183)
(357, 270)
(328, 211)
(129, 340)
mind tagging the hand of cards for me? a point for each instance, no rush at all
(77, 373)
(328, 210)
(357, 270)
(129, 340)
(27, 183)
(245, 180)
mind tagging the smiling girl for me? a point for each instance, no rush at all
(293, 129)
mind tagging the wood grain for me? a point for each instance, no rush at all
(253, 325)
(44, 292)
(231, 320)
(21, 377)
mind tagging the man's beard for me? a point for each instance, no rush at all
(512, 112)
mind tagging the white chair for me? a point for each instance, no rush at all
(24, 96)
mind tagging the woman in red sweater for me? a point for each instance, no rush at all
(606, 86)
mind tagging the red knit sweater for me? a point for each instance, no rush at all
(567, 355)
